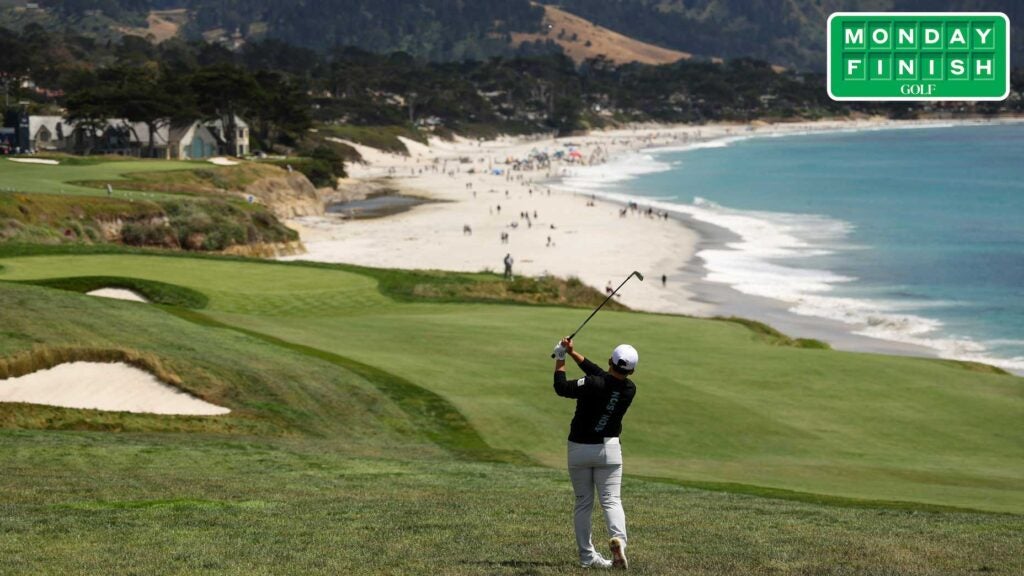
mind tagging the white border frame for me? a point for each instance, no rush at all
(828, 57)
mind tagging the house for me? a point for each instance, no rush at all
(240, 147)
(190, 140)
(48, 132)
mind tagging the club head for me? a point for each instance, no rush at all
(638, 275)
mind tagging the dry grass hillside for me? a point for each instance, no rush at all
(162, 25)
(583, 39)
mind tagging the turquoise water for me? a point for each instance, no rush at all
(912, 235)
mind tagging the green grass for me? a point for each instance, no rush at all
(197, 179)
(370, 433)
(271, 391)
(90, 503)
(718, 405)
(154, 203)
(48, 179)
(155, 292)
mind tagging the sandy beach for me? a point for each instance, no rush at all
(481, 195)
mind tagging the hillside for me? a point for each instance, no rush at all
(582, 40)
(358, 443)
(786, 32)
(161, 25)
(188, 205)
(432, 29)
(903, 429)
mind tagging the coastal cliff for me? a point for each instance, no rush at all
(288, 195)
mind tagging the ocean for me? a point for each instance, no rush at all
(913, 235)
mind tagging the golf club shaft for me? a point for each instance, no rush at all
(610, 296)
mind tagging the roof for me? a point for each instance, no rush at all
(35, 123)
(163, 135)
(219, 123)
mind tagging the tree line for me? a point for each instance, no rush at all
(284, 90)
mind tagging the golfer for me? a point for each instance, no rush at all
(594, 453)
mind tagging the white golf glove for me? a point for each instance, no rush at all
(559, 351)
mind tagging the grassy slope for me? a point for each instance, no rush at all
(69, 203)
(716, 403)
(87, 503)
(197, 178)
(272, 392)
(336, 482)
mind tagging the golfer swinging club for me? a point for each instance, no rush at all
(595, 455)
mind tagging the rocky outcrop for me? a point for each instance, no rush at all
(287, 196)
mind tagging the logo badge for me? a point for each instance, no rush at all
(918, 56)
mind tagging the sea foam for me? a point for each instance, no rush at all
(764, 259)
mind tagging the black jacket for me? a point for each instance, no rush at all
(601, 402)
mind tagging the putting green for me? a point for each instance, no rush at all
(716, 404)
(42, 178)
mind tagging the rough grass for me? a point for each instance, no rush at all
(54, 209)
(155, 292)
(69, 203)
(208, 180)
(271, 391)
(41, 357)
(718, 405)
(87, 503)
(768, 334)
(436, 286)
(329, 464)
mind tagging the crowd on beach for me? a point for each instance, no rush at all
(510, 190)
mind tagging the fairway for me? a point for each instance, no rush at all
(717, 405)
(60, 179)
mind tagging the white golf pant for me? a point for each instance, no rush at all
(600, 466)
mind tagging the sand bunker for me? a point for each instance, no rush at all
(222, 161)
(118, 294)
(116, 387)
(35, 161)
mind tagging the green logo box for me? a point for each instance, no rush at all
(918, 56)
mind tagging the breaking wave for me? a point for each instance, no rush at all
(765, 257)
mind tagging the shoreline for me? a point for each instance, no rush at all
(461, 173)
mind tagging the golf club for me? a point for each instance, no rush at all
(634, 273)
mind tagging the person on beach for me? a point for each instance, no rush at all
(508, 266)
(594, 451)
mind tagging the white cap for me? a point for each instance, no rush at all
(624, 357)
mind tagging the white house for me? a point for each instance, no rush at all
(191, 140)
(49, 132)
(219, 130)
